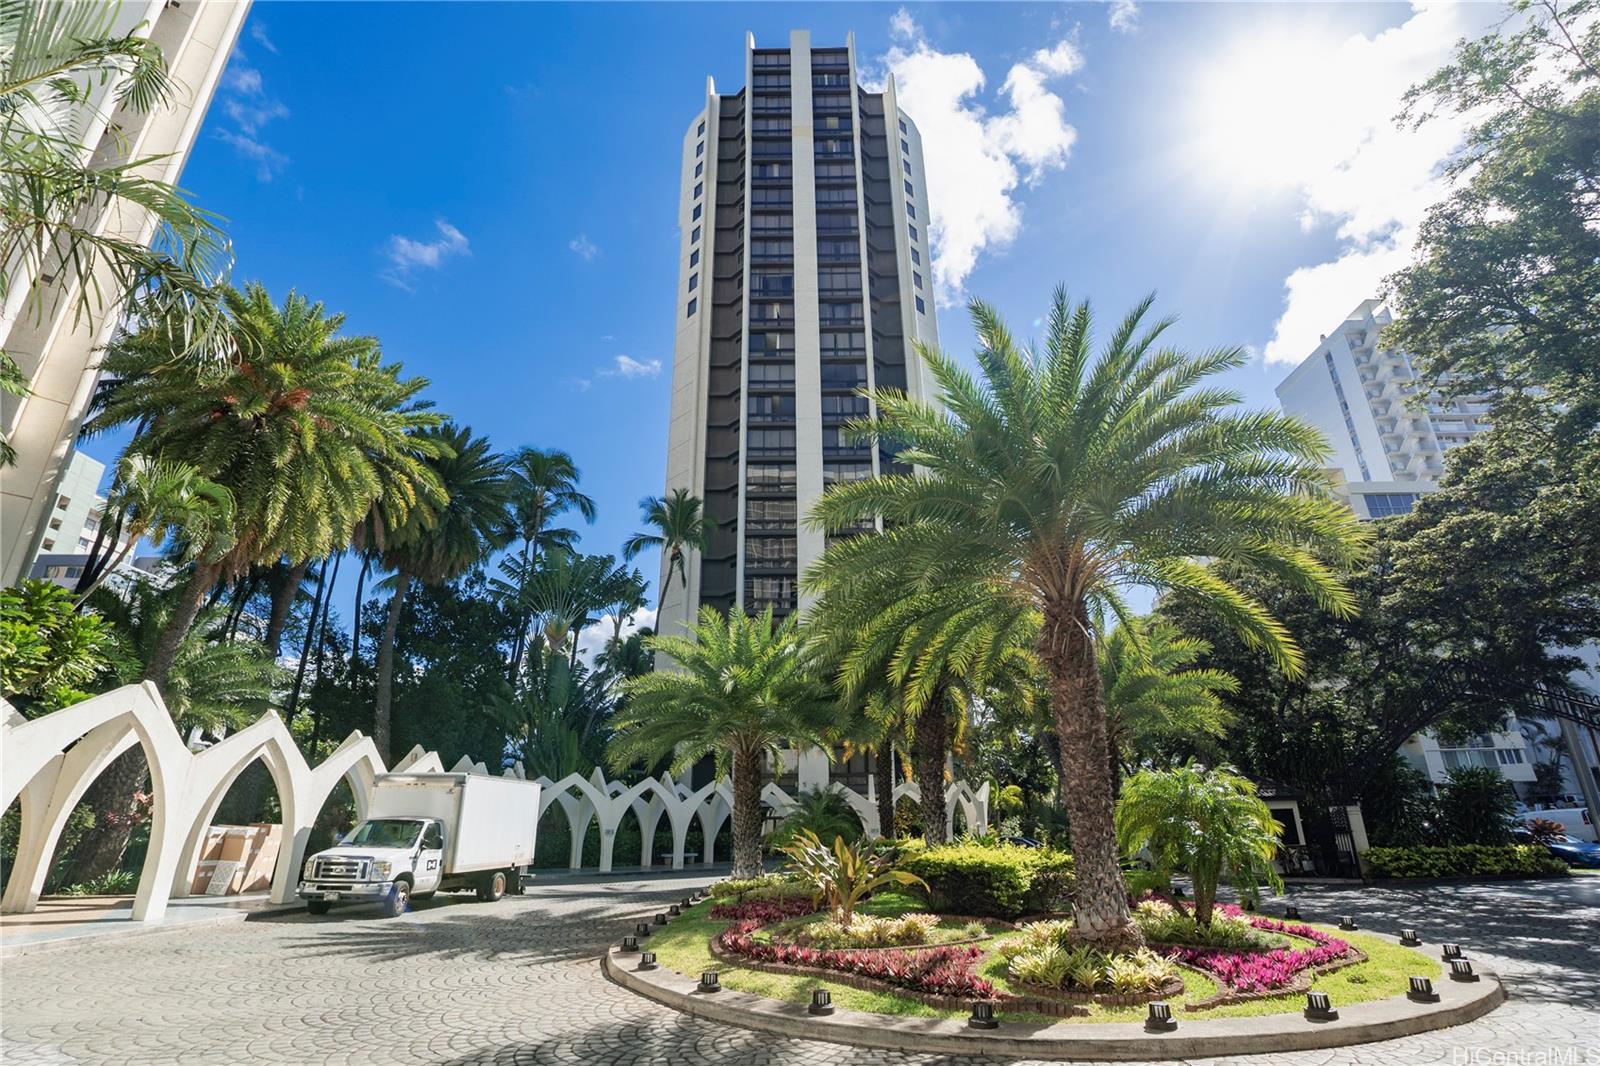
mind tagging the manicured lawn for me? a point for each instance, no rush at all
(683, 946)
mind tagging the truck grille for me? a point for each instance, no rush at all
(340, 870)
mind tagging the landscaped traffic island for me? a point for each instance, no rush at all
(900, 974)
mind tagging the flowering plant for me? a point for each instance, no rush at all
(1262, 971)
(944, 971)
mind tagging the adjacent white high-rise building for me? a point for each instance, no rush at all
(804, 276)
(55, 349)
(1387, 447)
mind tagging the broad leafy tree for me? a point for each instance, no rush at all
(740, 688)
(1057, 477)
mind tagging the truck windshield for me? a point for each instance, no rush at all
(385, 833)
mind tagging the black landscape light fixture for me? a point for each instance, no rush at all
(1249, 904)
(647, 960)
(1449, 951)
(1461, 970)
(1319, 1008)
(688, 901)
(674, 910)
(983, 1017)
(1160, 1019)
(821, 1002)
(642, 930)
(1348, 923)
(1409, 938)
(709, 982)
(661, 919)
(630, 943)
(1421, 991)
(1291, 913)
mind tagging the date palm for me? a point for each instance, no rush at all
(304, 428)
(438, 543)
(1052, 481)
(740, 687)
(680, 526)
(1156, 697)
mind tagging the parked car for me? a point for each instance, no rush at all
(1572, 852)
(426, 833)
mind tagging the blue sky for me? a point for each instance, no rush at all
(491, 189)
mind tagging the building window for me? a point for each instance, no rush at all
(700, 149)
(844, 376)
(843, 345)
(694, 236)
(774, 553)
(47, 545)
(844, 473)
(904, 147)
(909, 190)
(1386, 504)
(1508, 756)
(692, 305)
(694, 257)
(916, 279)
(696, 211)
(903, 126)
(702, 131)
(921, 307)
(694, 282)
(699, 187)
(62, 502)
(916, 257)
(699, 169)
(910, 229)
(911, 209)
(770, 477)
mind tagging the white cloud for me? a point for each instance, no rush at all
(258, 33)
(246, 102)
(406, 256)
(1356, 170)
(627, 367)
(977, 159)
(1124, 16)
(583, 247)
(594, 637)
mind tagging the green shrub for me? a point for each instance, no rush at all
(765, 889)
(1476, 806)
(992, 880)
(1464, 860)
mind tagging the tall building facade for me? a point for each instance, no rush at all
(55, 348)
(804, 277)
(1387, 449)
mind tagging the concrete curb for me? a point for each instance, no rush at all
(1359, 1023)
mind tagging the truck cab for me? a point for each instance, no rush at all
(387, 860)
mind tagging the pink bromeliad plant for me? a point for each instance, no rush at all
(1262, 971)
(944, 971)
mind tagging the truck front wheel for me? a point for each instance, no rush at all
(318, 906)
(492, 887)
(394, 904)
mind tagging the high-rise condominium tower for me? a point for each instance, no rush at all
(40, 328)
(803, 277)
(1387, 447)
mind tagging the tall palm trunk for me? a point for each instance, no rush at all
(746, 812)
(355, 631)
(184, 612)
(929, 747)
(1100, 905)
(883, 784)
(285, 589)
(311, 635)
(380, 717)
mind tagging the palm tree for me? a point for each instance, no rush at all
(55, 194)
(304, 429)
(1155, 696)
(680, 526)
(624, 595)
(1209, 823)
(544, 484)
(439, 544)
(160, 497)
(1054, 479)
(741, 688)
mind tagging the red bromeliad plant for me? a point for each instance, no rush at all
(763, 912)
(1261, 971)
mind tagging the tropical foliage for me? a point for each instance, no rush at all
(841, 875)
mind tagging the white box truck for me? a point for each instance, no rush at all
(426, 833)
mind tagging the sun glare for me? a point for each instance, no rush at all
(1257, 117)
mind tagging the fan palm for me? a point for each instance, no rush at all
(1051, 482)
(1155, 695)
(436, 544)
(679, 526)
(1208, 823)
(305, 429)
(741, 687)
(544, 485)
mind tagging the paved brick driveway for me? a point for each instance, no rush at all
(518, 982)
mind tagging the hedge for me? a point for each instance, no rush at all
(993, 880)
(1464, 860)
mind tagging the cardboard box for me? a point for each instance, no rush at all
(237, 858)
